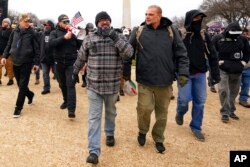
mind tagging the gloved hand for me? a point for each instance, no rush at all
(108, 32)
(75, 78)
(182, 80)
(243, 63)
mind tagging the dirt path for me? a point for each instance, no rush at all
(44, 137)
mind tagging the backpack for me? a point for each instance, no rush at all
(139, 31)
(202, 33)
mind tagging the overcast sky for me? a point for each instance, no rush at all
(45, 9)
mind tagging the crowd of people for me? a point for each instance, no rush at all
(105, 55)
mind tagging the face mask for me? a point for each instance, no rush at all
(196, 26)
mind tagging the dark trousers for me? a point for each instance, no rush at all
(66, 84)
(22, 75)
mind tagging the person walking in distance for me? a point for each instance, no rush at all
(23, 46)
(5, 32)
(234, 52)
(103, 50)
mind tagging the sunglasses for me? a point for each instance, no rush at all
(65, 21)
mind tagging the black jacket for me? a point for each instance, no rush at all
(232, 50)
(201, 52)
(4, 37)
(46, 51)
(23, 46)
(65, 51)
(155, 62)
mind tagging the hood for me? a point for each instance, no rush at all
(233, 28)
(163, 23)
(189, 17)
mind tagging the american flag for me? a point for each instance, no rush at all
(76, 19)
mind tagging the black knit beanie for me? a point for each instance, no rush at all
(102, 15)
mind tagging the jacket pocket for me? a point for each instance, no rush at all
(232, 67)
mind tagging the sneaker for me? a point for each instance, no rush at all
(159, 147)
(71, 114)
(92, 158)
(11, 82)
(44, 92)
(110, 141)
(30, 99)
(17, 113)
(244, 104)
(179, 119)
(141, 139)
(37, 82)
(233, 116)
(199, 136)
(63, 105)
(225, 118)
(212, 89)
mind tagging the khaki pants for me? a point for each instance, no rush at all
(8, 67)
(153, 98)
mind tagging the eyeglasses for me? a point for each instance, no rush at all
(65, 21)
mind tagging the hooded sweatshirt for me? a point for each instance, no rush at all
(232, 49)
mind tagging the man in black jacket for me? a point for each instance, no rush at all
(234, 53)
(5, 32)
(200, 50)
(23, 46)
(46, 57)
(158, 55)
(65, 45)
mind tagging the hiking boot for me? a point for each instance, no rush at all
(16, 113)
(179, 119)
(44, 92)
(11, 82)
(92, 158)
(118, 98)
(63, 105)
(141, 139)
(198, 135)
(0, 82)
(233, 116)
(71, 114)
(212, 89)
(30, 99)
(110, 141)
(225, 118)
(244, 104)
(122, 92)
(159, 147)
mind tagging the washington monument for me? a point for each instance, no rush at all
(126, 15)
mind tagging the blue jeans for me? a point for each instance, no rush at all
(66, 84)
(195, 91)
(46, 79)
(95, 116)
(245, 84)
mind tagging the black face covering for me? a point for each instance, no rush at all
(196, 26)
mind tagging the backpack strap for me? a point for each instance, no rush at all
(138, 34)
(202, 32)
(170, 31)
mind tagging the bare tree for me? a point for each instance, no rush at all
(230, 10)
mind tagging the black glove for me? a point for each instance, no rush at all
(75, 78)
(182, 80)
(108, 32)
